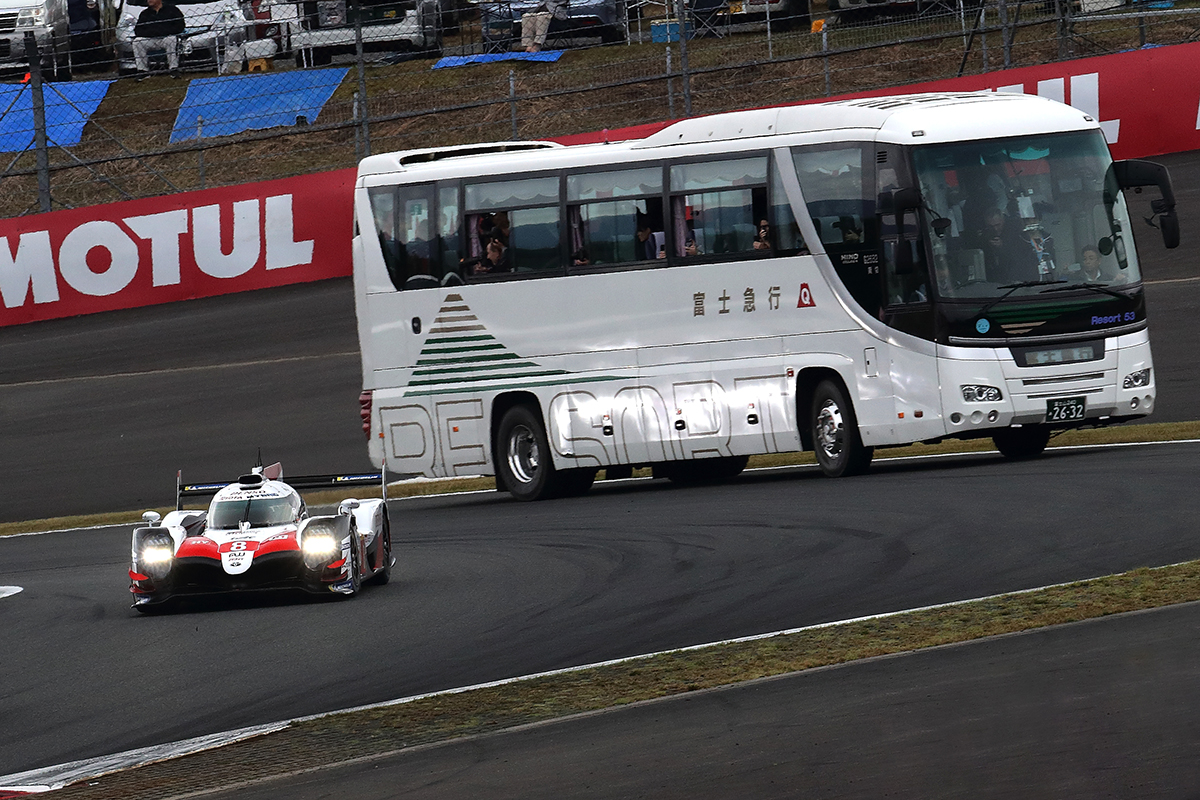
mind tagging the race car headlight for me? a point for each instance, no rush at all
(975, 393)
(1135, 380)
(319, 548)
(155, 556)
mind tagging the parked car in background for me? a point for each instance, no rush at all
(328, 27)
(50, 23)
(88, 48)
(213, 34)
(501, 21)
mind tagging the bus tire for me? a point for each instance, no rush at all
(1027, 441)
(836, 441)
(524, 455)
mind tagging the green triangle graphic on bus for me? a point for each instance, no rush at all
(459, 355)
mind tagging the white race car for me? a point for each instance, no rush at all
(256, 535)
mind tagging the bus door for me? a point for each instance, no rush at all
(907, 306)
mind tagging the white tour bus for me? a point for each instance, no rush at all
(834, 277)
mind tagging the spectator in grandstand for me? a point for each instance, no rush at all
(158, 28)
(536, 24)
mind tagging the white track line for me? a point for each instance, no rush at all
(56, 777)
(9, 591)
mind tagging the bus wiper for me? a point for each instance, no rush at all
(1095, 287)
(1012, 287)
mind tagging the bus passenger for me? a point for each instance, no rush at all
(644, 248)
(762, 240)
(1007, 256)
(580, 258)
(495, 261)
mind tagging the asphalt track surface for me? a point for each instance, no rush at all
(100, 411)
(1098, 709)
(490, 588)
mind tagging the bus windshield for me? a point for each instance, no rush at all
(1005, 216)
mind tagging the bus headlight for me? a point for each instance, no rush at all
(1137, 379)
(981, 394)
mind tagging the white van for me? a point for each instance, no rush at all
(50, 23)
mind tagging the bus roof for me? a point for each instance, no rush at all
(912, 119)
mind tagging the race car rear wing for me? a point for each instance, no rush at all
(275, 472)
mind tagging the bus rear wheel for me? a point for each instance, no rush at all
(524, 455)
(836, 441)
(1027, 441)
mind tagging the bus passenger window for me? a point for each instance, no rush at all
(784, 234)
(838, 192)
(450, 235)
(515, 227)
(716, 206)
(616, 217)
(402, 219)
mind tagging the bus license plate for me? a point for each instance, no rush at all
(1065, 409)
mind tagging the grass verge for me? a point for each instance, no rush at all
(338, 738)
(1163, 431)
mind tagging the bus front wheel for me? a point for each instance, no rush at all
(1027, 441)
(836, 441)
(524, 462)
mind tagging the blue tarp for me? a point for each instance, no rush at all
(487, 58)
(68, 108)
(235, 103)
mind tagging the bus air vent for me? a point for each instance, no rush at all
(439, 153)
(881, 157)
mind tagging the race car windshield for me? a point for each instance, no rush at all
(259, 512)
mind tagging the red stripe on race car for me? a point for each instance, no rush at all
(279, 543)
(197, 546)
(134, 576)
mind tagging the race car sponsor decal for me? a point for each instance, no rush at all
(237, 556)
(197, 547)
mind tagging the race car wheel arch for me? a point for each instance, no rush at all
(383, 573)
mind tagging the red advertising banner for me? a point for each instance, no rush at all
(175, 247)
(257, 235)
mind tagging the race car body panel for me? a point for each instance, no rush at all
(257, 535)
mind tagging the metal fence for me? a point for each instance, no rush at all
(394, 99)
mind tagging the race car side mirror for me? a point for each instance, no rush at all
(347, 505)
(151, 517)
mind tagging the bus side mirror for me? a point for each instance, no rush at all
(1134, 173)
(900, 202)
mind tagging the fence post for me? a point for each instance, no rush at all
(681, 17)
(512, 103)
(770, 51)
(356, 111)
(670, 87)
(1005, 32)
(825, 50)
(41, 151)
(200, 153)
(362, 80)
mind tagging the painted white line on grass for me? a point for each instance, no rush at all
(9, 591)
(56, 777)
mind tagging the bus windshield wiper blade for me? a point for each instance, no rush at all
(1095, 287)
(1012, 287)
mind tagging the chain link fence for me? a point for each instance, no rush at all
(390, 95)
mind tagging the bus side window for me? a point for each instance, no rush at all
(716, 206)
(402, 219)
(784, 236)
(450, 244)
(839, 194)
(615, 217)
(514, 226)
